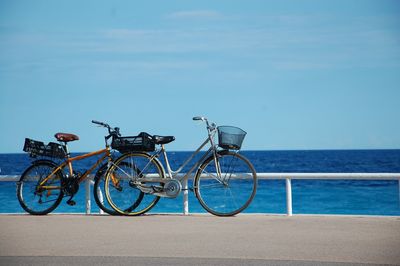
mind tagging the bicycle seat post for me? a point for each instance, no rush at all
(68, 155)
(64, 138)
(66, 150)
(164, 153)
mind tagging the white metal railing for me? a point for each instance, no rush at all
(288, 177)
(330, 176)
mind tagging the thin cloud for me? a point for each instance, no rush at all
(282, 43)
(300, 65)
(195, 14)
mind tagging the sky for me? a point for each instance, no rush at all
(293, 74)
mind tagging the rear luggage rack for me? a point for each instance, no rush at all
(38, 148)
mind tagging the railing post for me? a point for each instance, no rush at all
(88, 204)
(289, 197)
(101, 199)
(185, 197)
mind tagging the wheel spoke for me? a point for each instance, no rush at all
(231, 194)
(30, 192)
(128, 198)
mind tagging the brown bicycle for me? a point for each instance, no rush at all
(45, 183)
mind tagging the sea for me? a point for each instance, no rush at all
(325, 197)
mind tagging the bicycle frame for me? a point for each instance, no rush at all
(174, 174)
(68, 162)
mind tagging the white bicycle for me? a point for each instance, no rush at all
(225, 181)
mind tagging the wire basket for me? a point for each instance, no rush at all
(37, 148)
(230, 138)
(141, 142)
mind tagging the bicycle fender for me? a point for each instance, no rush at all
(221, 152)
(199, 169)
(102, 169)
(44, 161)
(37, 162)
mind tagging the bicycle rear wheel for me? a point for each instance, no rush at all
(230, 192)
(124, 193)
(39, 199)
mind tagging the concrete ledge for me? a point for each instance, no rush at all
(98, 260)
(250, 238)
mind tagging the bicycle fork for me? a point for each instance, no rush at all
(218, 168)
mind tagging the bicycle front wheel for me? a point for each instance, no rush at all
(37, 198)
(228, 189)
(99, 193)
(125, 191)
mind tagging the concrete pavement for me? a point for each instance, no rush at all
(199, 240)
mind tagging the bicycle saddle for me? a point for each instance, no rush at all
(66, 137)
(163, 139)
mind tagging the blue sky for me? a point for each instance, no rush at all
(293, 74)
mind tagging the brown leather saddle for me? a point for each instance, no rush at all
(66, 137)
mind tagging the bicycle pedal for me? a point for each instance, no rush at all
(71, 202)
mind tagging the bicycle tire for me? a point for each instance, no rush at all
(124, 196)
(28, 183)
(98, 188)
(233, 192)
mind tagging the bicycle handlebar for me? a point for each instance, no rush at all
(210, 126)
(111, 131)
(100, 123)
(196, 118)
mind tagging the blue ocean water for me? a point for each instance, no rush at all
(357, 197)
